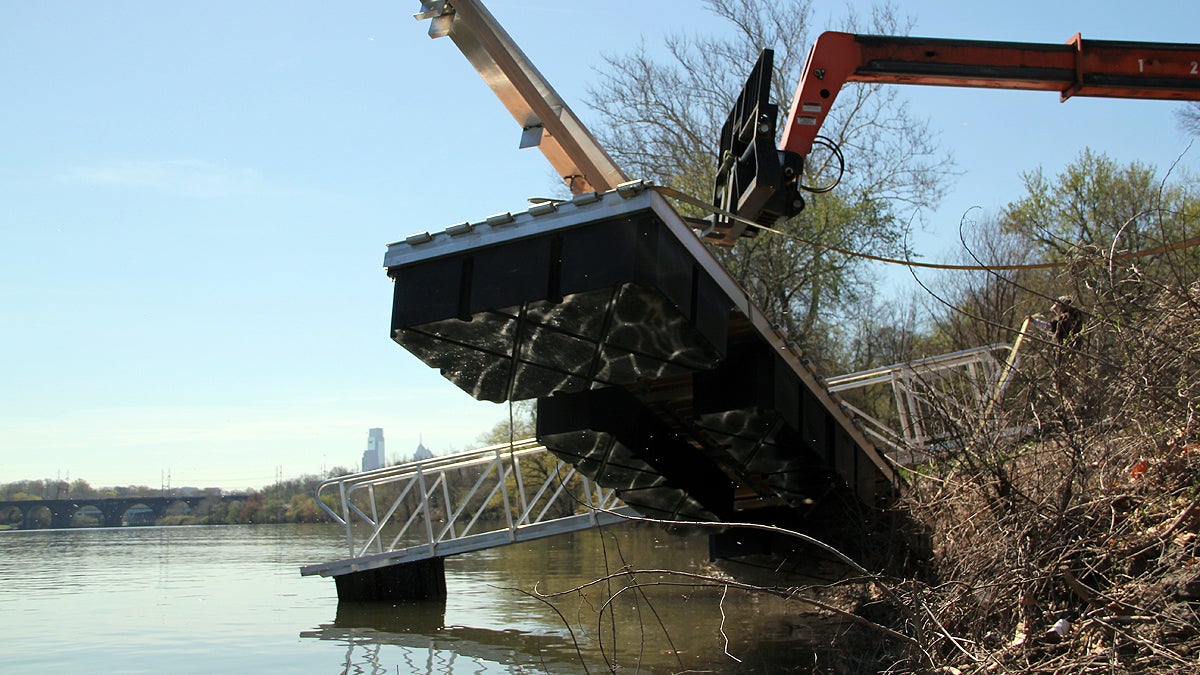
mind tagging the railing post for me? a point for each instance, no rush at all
(516, 461)
(346, 517)
(375, 518)
(587, 496)
(449, 507)
(902, 407)
(425, 507)
(508, 519)
(914, 410)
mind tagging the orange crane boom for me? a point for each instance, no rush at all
(760, 182)
(1104, 68)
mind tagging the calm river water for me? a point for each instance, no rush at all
(231, 599)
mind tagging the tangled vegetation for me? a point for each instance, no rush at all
(1060, 534)
(1071, 546)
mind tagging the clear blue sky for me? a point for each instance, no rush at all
(195, 199)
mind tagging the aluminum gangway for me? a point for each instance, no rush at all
(493, 496)
(940, 402)
(520, 491)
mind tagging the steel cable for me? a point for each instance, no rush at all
(672, 193)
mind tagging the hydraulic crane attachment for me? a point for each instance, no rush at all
(763, 186)
(754, 179)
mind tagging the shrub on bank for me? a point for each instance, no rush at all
(1074, 545)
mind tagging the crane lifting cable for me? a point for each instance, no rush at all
(693, 201)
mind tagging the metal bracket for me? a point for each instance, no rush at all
(531, 137)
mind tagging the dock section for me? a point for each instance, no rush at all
(654, 373)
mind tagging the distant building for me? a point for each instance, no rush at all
(422, 453)
(374, 458)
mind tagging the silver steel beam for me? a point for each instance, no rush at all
(545, 119)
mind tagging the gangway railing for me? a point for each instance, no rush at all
(937, 401)
(521, 491)
(459, 503)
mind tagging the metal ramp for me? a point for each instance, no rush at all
(515, 492)
(938, 402)
(460, 503)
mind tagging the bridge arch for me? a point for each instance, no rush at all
(11, 516)
(38, 516)
(86, 515)
(172, 511)
(136, 513)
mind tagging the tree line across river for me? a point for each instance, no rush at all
(287, 501)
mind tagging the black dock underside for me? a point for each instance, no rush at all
(649, 378)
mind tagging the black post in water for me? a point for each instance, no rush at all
(420, 580)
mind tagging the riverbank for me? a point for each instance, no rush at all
(1073, 544)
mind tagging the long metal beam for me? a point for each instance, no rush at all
(546, 120)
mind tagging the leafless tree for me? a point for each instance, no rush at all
(661, 116)
(1189, 118)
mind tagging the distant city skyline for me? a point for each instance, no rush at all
(422, 453)
(374, 457)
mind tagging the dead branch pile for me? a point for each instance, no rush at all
(1071, 546)
(1063, 538)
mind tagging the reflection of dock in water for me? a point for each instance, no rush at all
(413, 635)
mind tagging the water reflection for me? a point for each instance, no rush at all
(418, 639)
(231, 599)
(653, 622)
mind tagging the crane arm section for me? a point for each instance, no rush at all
(1104, 68)
(758, 182)
(546, 121)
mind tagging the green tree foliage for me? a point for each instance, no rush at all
(661, 120)
(81, 489)
(1095, 204)
(22, 490)
(520, 424)
(303, 508)
(290, 501)
(1094, 209)
(802, 286)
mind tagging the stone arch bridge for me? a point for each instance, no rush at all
(27, 514)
